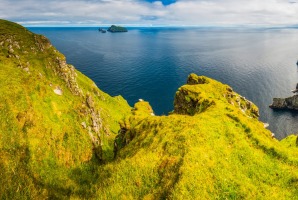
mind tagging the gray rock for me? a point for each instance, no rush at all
(89, 101)
(266, 125)
(285, 103)
(230, 89)
(58, 91)
(26, 69)
(11, 51)
(84, 125)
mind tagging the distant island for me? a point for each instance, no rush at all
(102, 30)
(115, 29)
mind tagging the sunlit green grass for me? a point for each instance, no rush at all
(42, 141)
(214, 149)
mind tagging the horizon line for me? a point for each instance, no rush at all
(162, 26)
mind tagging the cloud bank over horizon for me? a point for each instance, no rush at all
(150, 12)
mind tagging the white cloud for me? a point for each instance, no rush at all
(183, 12)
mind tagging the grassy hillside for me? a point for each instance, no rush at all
(212, 146)
(216, 149)
(45, 138)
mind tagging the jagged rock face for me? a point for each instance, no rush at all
(242, 103)
(68, 74)
(285, 103)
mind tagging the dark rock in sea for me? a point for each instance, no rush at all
(115, 29)
(102, 30)
(285, 103)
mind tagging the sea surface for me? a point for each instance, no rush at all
(152, 63)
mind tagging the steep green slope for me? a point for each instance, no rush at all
(212, 146)
(46, 137)
(216, 150)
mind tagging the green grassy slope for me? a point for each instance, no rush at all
(212, 146)
(218, 151)
(43, 143)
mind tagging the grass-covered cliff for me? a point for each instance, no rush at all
(45, 138)
(211, 146)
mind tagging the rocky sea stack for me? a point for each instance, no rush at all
(290, 103)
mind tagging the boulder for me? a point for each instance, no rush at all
(58, 91)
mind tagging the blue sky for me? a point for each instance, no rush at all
(150, 12)
(164, 2)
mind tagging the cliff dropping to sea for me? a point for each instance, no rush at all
(61, 137)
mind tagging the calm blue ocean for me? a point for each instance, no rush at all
(151, 63)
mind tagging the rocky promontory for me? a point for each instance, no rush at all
(285, 103)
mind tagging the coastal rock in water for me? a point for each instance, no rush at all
(285, 103)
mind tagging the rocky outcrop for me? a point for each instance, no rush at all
(68, 74)
(194, 79)
(42, 42)
(193, 99)
(18, 49)
(246, 106)
(285, 103)
(96, 126)
(190, 102)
